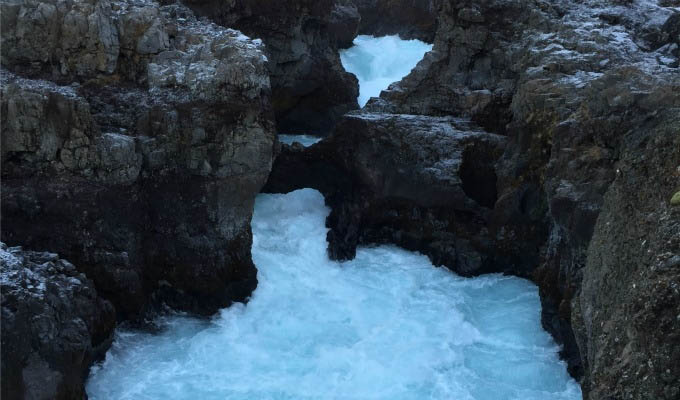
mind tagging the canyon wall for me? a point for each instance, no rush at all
(310, 88)
(135, 140)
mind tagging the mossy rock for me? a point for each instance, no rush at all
(675, 200)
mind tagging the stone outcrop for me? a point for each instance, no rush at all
(538, 138)
(410, 19)
(424, 183)
(54, 325)
(627, 311)
(588, 96)
(134, 141)
(310, 88)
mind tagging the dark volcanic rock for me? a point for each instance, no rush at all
(141, 163)
(410, 19)
(568, 103)
(627, 314)
(424, 183)
(54, 325)
(310, 88)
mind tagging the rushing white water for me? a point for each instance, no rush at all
(377, 62)
(388, 325)
(305, 140)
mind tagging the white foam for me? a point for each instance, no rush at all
(387, 325)
(305, 140)
(378, 62)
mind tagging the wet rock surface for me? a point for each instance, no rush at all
(136, 154)
(407, 18)
(583, 92)
(310, 88)
(627, 312)
(54, 324)
(421, 182)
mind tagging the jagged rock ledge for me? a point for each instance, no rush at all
(54, 325)
(310, 88)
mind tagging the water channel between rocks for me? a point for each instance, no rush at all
(387, 325)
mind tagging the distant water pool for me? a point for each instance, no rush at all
(379, 61)
(305, 140)
(387, 325)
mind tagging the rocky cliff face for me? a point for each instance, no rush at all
(587, 96)
(54, 325)
(310, 88)
(134, 141)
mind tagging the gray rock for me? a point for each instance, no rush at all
(407, 18)
(425, 183)
(142, 161)
(310, 88)
(54, 325)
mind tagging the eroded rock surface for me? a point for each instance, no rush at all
(310, 88)
(407, 18)
(425, 183)
(136, 139)
(54, 324)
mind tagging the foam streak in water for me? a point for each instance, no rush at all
(388, 325)
(378, 62)
(305, 140)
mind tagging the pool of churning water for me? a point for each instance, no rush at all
(387, 325)
(379, 61)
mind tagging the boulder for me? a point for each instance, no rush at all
(54, 325)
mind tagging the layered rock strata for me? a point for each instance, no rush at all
(134, 141)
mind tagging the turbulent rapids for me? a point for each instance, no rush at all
(387, 325)
(377, 62)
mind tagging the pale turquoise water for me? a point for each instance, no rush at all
(387, 325)
(305, 140)
(378, 62)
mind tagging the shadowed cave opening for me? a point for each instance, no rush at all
(479, 176)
